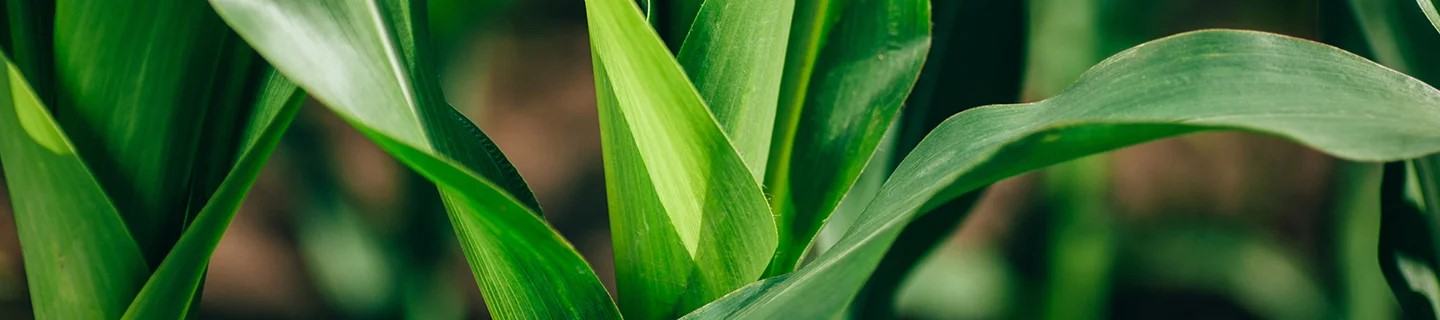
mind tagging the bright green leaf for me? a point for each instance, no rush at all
(361, 59)
(730, 54)
(80, 260)
(689, 221)
(1208, 80)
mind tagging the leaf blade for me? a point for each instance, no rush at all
(135, 93)
(363, 60)
(167, 293)
(80, 259)
(1221, 80)
(867, 67)
(681, 194)
(729, 54)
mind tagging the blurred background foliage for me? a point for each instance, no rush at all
(1211, 225)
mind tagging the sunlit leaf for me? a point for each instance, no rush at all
(730, 54)
(80, 261)
(689, 220)
(362, 60)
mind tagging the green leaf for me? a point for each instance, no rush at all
(167, 294)
(955, 78)
(146, 103)
(730, 54)
(866, 68)
(362, 60)
(80, 260)
(1208, 80)
(689, 221)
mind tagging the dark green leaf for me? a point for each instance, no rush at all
(167, 294)
(1397, 35)
(132, 90)
(956, 77)
(867, 66)
(1408, 247)
(1428, 6)
(1206, 80)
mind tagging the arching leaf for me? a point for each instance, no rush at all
(1207, 80)
(363, 61)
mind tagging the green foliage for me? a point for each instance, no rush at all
(82, 261)
(369, 62)
(830, 125)
(131, 143)
(1197, 81)
(688, 219)
(128, 144)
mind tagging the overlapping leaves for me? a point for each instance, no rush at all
(689, 220)
(1197, 81)
(369, 61)
(106, 157)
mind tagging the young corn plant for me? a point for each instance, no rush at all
(723, 160)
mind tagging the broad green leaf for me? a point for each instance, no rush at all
(730, 54)
(146, 96)
(166, 295)
(861, 75)
(80, 260)
(1207, 80)
(689, 221)
(362, 60)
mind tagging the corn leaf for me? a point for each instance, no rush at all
(166, 295)
(190, 108)
(363, 61)
(149, 105)
(689, 220)
(955, 78)
(1314, 94)
(730, 54)
(80, 260)
(860, 77)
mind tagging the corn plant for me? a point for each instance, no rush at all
(128, 142)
